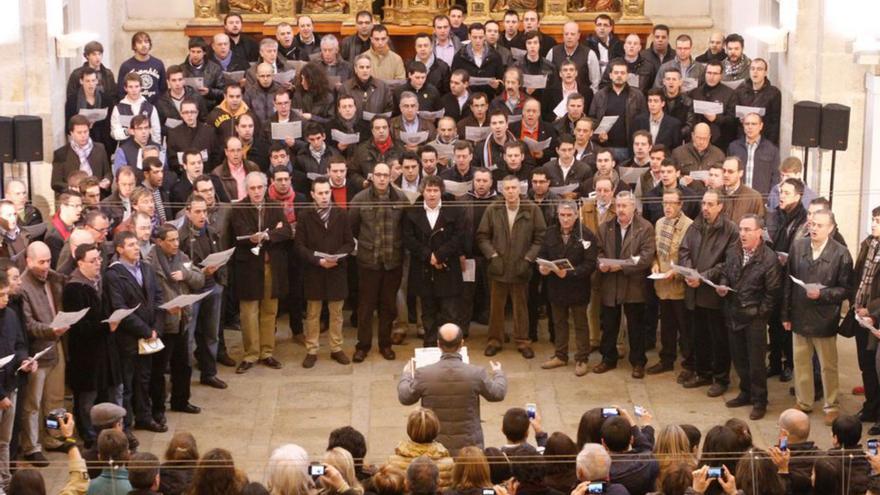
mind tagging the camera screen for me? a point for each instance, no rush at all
(609, 411)
(316, 470)
(596, 488)
(52, 424)
(872, 446)
(488, 491)
(715, 472)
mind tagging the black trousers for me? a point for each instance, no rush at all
(474, 302)
(294, 302)
(378, 292)
(673, 323)
(436, 311)
(781, 349)
(610, 322)
(176, 354)
(711, 347)
(136, 370)
(748, 346)
(868, 367)
(651, 315)
(538, 299)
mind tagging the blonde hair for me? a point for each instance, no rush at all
(342, 460)
(671, 449)
(287, 471)
(471, 469)
(422, 426)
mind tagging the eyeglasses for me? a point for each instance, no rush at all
(381, 174)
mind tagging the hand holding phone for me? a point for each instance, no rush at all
(872, 446)
(607, 412)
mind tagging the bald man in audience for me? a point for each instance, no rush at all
(794, 425)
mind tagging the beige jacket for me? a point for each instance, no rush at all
(407, 450)
(671, 288)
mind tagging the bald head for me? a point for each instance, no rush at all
(79, 237)
(38, 249)
(39, 260)
(796, 423)
(449, 337)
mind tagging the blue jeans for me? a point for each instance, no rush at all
(203, 330)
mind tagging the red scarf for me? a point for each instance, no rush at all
(286, 200)
(383, 147)
(60, 227)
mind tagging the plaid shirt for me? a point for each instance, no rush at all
(747, 255)
(872, 262)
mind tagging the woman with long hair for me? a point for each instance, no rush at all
(471, 473)
(312, 94)
(181, 456)
(560, 454)
(216, 475)
(671, 449)
(342, 460)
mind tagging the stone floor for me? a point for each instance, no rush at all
(266, 408)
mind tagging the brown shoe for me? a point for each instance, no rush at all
(340, 357)
(581, 368)
(553, 363)
(603, 367)
(830, 417)
(271, 362)
(388, 354)
(398, 338)
(638, 372)
(310, 360)
(758, 412)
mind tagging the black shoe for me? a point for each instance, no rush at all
(271, 362)
(213, 382)
(491, 350)
(188, 409)
(875, 429)
(224, 359)
(359, 356)
(697, 382)
(684, 376)
(388, 354)
(37, 460)
(133, 442)
(160, 418)
(786, 375)
(243, 367)
(716, 390)
(774, 371)
(527, 352)
(658, 368)
(757, 413)
(738, 401)
(866, 417)
(151, 426)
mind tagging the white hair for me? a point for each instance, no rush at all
(260, 176)
(287, 471)
(329, 41)
(593, 462)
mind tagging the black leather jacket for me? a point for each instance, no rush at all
(833, 269)
(757, 285)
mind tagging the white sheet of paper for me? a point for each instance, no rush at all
(714, 285)
(246, 236)
(444, 150)
(172, 123)
(607, 123)
(66, 319)
(314, 175)
(331, 257)
(457, 188)
(185, 300)
(733, 84)
(120, 314)
(125, 120)
(411, 196)
(514, 118)
(474, 133)
(619, 262)
(562, 264)
(414, 137)
(805, 285)
(426, 356)
(425, 114)
(657, 276)
(782, 256)
(534, 81)
(194, 82)
(633, 80)
(285, 77)
(344, 137)
(470, 270)
(561, 109)
(631, 175)
(146, 346)
(517, 53)
(863, 322)
(689, 83)
(743, 110)
(6, 360)
(480, 81)
(94, 114)
(568, 188)
(702, 175)
(234, 76)
(537, 145)
(369, 115)
(708, 107)
(283, 130)
(44, 351)
(685, 271)
(218, 259)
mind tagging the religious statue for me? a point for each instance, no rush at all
(324, 6)
(250, 6)
(206, 9)
(594, 5)
(503, 5)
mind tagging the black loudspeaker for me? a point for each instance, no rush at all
(835, 127)
(806, 124)
(28, 138)
(7, 140)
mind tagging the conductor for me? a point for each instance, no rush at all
(452, 389)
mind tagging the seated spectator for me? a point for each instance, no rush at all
(422, 428)
(341, 460)
(677, 481)
(594, 465)
(672, 450)
(30, 481)
(471, 473)
(528, 474)
(515, 427)
(216, 475)
(826, 478)
(743, 433)
(353, 441)
(143, 474)
(590, 426)
(720, 442)
(757, 473)
(560, 471)
(422, 477)
(795, 425)
(846, 431)
(180, 459)
(500, 468)
(694, 436)
(388, 480)
(113, 449)
(254, 488)
(638, 471)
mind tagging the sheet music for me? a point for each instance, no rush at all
(284, 130)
